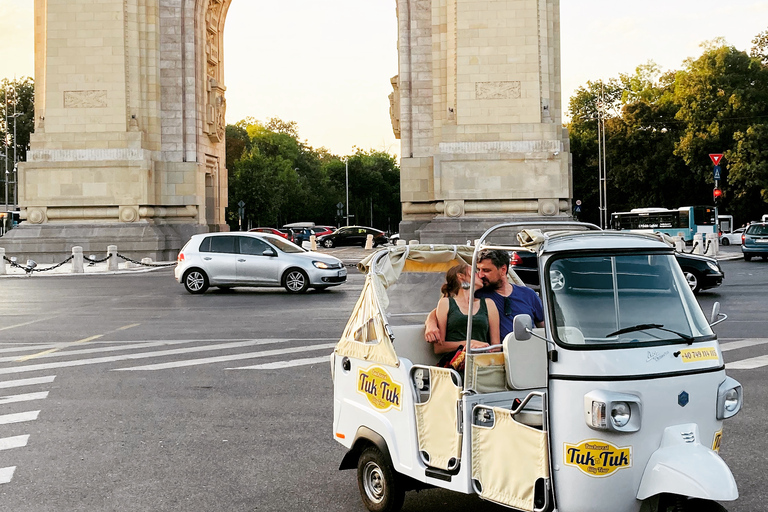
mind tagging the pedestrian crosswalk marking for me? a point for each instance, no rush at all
(8, 443)
(232, 357)
(26, 382)
(7, 419)
(285, 364)
(745, 343)
(6, 474)
(22, 348)
(748, 364)
(24, 397)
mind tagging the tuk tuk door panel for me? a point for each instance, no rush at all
(507, 458)
(437, 419)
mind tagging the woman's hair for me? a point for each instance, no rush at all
(452, 282)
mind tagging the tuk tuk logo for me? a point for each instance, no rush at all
(694, 355)
(597, 458)
(378, 387)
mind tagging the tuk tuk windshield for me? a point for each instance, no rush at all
(645, 296)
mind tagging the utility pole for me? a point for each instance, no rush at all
(15, 159)
(346, 172)
(5, 141)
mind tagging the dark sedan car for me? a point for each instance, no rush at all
(352, 235)
(701, 272)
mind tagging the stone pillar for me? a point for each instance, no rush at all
(698, 243)
(77, 260)
(2, 261)
(112, 263)
(477, 107)
(129, 127)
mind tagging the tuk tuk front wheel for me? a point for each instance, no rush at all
(380, 486)
(675, 503)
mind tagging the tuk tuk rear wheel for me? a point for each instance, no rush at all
(380, 486)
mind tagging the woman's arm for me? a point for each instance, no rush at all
(442, 346)
(493, 321)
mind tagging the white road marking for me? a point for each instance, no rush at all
(30, 346)
(20, 417)
(285, 364)
(140, 355)
(24, 397)
(6, 474)
(749, 342)
(221, 359)
(27, 323)
(26, 382)
(7, 443)
(748, 364)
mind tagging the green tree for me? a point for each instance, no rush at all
(17, 97)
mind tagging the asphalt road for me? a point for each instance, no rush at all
(125, 393)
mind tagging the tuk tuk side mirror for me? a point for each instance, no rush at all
(717, 317)
(269, 252)
(522, 326)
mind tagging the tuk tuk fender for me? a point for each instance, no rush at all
(683, 466)
(364, 437)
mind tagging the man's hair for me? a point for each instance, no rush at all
(497, 257)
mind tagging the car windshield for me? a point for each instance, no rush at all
(621, 299)
(283, 244)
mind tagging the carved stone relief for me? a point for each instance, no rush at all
(216, 103)
(394, 105)
(497, 90)
(85, 99)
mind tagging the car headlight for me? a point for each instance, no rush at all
(321, 264)
(730, 396)
(713, 266)
(606, 410)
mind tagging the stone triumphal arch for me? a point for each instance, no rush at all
(130, 122)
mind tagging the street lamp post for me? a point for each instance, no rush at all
(346, 173)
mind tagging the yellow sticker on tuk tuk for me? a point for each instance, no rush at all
(718, 439)
(694, 355)
(378, 387)
(597, 458)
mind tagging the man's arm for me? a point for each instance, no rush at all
(431, 329)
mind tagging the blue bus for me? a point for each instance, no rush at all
(686, 220)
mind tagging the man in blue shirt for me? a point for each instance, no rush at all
(510, 299)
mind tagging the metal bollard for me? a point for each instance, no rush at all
(77, 260)
(369, 242)
(2, 261)
(112, 262)
(312, 243)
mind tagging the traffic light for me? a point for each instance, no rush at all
(717, 193)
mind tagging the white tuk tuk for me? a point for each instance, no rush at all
(616, 405)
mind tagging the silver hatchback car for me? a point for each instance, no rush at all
(227, 260)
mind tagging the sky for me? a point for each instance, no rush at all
(327, 64)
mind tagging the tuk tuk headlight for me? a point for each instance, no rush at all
(730, 396)
(606, 410)
(621, 414)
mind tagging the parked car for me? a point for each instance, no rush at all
(733, 237)
(394, 238)
(701, 272)
(319, 231)
(352, 235)
(755, 241)
(273, 231)
(227, 260)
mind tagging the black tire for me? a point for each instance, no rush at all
(673, 503)
(381, 488)
(295, 280)
(725, 242)
(195, 281)
(747, 257)
(328, 244)
(694, 280)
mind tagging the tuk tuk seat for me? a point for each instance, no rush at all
(410, 344)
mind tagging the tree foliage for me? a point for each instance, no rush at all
(661, 127)
(17, 97)
(282, 179)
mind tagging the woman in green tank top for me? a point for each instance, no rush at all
(452, 313)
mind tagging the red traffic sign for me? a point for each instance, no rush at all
(716, 158)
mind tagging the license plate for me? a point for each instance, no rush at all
(762, 241)
(342, 272)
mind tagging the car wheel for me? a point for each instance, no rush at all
(328, 244)
(380, 486)
(195, 281)
(694, 280)
(296, 281)
(726, 242)
(747, 257)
